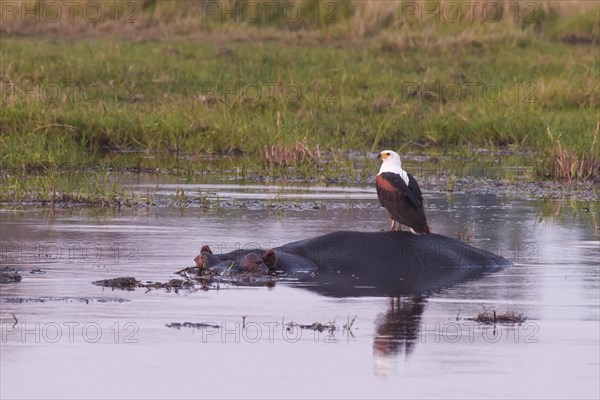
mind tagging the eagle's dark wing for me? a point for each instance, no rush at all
(413, 196)
(404, 204)
(414, 187)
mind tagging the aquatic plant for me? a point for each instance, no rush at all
(568, 164)
(507, 317)
(467, 234)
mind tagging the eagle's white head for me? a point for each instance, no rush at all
(392, 163)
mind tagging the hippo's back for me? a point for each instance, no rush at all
(362, 250)
(392, 263)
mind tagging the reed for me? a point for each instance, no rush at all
(567, 164)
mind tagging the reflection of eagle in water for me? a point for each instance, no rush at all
(400, 194)
(397, 331)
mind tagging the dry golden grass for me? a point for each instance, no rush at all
(282, 155)
(563, 7)
(151, 19)
(566, 165)
(369, 15)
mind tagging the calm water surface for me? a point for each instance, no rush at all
(79, 342)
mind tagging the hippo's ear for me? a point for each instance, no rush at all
(270, 259)
(206, 249)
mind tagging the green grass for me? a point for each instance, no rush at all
(385, 87)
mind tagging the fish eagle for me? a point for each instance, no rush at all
(400, 194)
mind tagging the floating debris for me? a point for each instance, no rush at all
(172, 284)
(315, 326)
(87, 300)
(130, 283)
(196, 278)
(196, 325)
(11, 270)
(10, 275)
(508, 317)
(125, 283)
(37, 271)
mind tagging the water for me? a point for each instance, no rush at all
(80, 343)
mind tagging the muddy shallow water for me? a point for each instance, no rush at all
(64, 337)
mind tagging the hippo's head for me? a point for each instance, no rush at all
(257, 264)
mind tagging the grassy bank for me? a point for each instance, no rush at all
(186, 88)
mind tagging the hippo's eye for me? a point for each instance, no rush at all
(258, 262)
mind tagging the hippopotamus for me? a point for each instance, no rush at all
(250, 261)
(389, 263)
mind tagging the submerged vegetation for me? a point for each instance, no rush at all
(187, 87)
(507, 317)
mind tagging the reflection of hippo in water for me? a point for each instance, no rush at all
(373, 263)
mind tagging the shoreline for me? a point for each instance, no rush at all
(575, 191)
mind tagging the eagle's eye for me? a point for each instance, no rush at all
(389, 154)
